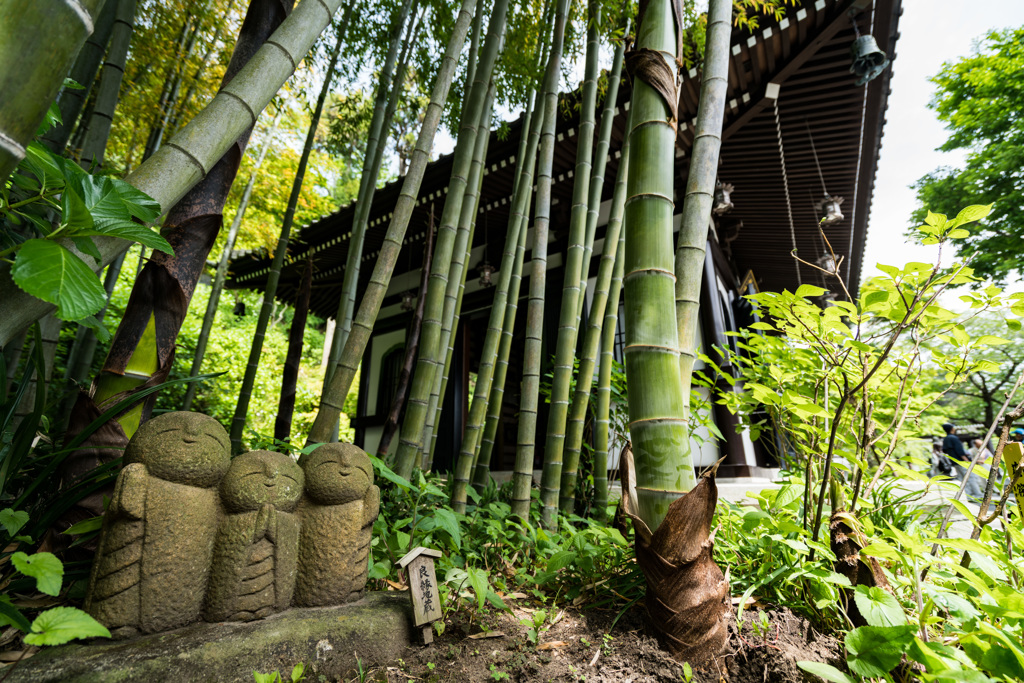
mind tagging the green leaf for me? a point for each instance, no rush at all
(446, 520)
(12, 616)
(75, 214)
(61, 624)
(87, 247)
(13, 520)
(936, 219)
(44, 165)
(877, 650)
(385, 471)
(825, 671)
(48, 271)
(973, 213)
(879, 607)
(809, 291)
(958, 233)
(134, 232)
(560, 560)
(139, 204)
(85, 526)
(101, 199)
(990, 340)
(45, 568)
(478, 580)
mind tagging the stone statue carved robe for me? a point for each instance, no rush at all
(152, 565)
(254, 559)
(337, 515)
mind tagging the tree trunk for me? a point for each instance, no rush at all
(222, 267)
(71, 101)
(686, 593)
(445, 253)
(38, 45)
(290, 375)
(611, 257)
(412, 345)
(281, 251)
(194, 152)
(604, 382)
(522, 478)
(94, 144)
(568, 323)
(376, 138)
(333, 398)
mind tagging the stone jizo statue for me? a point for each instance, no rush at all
(191, 534)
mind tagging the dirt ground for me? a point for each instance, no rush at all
(575, 648)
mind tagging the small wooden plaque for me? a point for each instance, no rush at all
(1013, 455)
(426, 601)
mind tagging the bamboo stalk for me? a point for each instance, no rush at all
(94, 143)
(522, 477)
(664, 469)
(700, 189)
(610, 260)
(568, 323)
(194, 151)
(38, 45)
(293, 358)
(411, 437)
(375, 140)
(281, 250)
(604, 137)
(222, 267)
(457, 277)
(333, 398)
(604, 382)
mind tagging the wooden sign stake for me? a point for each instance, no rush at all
(426, 603)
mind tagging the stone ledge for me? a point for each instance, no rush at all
(377, 630)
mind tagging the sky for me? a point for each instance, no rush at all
(931, 32)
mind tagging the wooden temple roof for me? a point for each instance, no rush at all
(790, 76)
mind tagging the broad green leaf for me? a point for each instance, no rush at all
(134, 232)
(936, 219)
(101, 199)
(139, 204)
(882, 550)
(826, 672)
(45, 568)
(85, 526)
(809, 291)
(958, 233)
(44, 165)
(385, 471)
(50, 272)
(13, 520)
(877, 650)
(990, 340)
(74, 213)
(879, 607)
(445, 520)
(87, 247)
(59, 625)
(478, 580)
(974, 213)
(560, 560)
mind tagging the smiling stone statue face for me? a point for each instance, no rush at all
(337, 473)
(260, 478)
(185, 448)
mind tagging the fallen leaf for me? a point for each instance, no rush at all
(552, 644)
(487, 634)
(397, 586)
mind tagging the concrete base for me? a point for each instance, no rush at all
(376, 630)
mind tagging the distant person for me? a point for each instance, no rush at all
(941, 465)
(979, 447)
(954, 450)
(1017, 435)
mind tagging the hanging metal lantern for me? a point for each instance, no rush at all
(408, 300)
(868, 60)
(723, 201)
(827, 263)
(829, 211)
(485, 269)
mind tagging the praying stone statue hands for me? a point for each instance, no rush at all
(192, 534)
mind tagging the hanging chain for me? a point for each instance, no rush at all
(785, 186)
(813, 151)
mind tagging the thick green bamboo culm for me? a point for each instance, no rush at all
(661, 444)
(604, 138)
(431, 354)
(522, 476)
(38, 44)
(518, 221)
(459, 271)
(700, 188)
(482, 392)
(333, 398)
(181, 163)
(222, 268)
(71, 101)
(281, 250)
(602, 422)
(568, 323)
(611, 256)
(367, 186)
(94, 143)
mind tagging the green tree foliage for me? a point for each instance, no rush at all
(980, 98)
